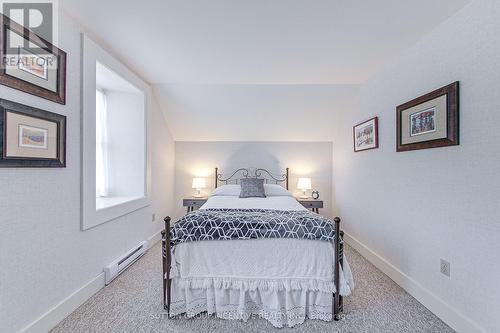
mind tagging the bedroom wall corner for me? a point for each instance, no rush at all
(163, 177)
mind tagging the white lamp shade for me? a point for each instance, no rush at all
(304, 184)
(199, 183)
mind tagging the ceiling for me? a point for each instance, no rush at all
(259, 41)
(257, 70)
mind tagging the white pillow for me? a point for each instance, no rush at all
(231, 189)
(274, 190)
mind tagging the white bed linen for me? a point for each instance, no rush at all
(282, 280)
(277, 202)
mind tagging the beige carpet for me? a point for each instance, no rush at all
(133, 303)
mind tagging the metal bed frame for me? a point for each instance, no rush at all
(282, 179)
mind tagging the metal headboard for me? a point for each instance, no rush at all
(251, 173)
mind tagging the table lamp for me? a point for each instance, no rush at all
(198, 184)
(304, 184)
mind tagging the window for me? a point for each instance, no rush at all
(115, 164)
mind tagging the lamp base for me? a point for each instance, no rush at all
(304, 197)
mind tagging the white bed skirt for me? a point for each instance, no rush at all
(283, 281)
(279, 307)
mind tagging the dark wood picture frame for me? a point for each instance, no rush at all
(375, 119)
(452, 119)
(28, 162)
(60, 95)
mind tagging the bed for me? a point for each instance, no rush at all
(283, 278)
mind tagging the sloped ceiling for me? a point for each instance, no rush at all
(254, 112)
(195, 51)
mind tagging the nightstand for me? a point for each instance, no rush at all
(193, 202)
(312, 204)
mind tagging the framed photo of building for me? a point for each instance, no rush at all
(429, 121)
(31, 137)
(30, 63)
(366, 135)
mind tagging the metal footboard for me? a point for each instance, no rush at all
(339, 262)
(166, 260)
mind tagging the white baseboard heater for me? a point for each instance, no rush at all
(119, 265)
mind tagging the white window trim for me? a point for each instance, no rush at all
(102, 149)
(91, 216)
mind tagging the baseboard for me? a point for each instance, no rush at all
(440, 308)
(54, 316)
(154, 239)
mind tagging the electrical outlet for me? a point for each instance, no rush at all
(153, 217)
(445, 267)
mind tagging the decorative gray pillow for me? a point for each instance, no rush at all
(252, 188)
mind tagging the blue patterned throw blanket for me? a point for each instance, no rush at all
(226, 224)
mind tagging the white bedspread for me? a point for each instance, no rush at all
(283, 280)
(278, 202)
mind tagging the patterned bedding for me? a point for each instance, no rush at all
(227, 224)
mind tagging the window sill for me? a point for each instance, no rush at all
(110, 208)
(107, 202)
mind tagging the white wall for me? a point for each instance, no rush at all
(305, 159)
(44, 256)
(416, 207)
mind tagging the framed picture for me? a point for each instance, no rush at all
(30, 63)
(366, 135)
(429, 121)
(31, 137)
